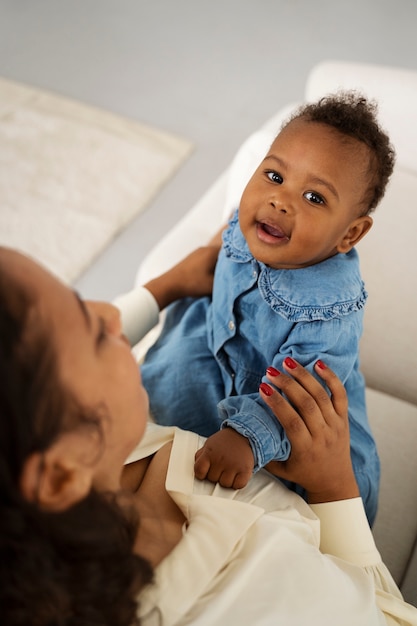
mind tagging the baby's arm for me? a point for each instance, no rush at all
(251, 436)
(225, 458)
(248, 413)
(334, 341)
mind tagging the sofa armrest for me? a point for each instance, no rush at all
(394, 424)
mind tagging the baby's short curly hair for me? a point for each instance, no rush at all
(353, 115)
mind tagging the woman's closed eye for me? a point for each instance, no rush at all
(314, 198)
(275, 177)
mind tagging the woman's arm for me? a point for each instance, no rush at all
(318, 429)
(193, 276)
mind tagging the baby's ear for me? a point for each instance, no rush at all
(356, 230)
(55, 479)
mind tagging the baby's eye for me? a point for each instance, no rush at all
(313, 197)
(275, 177)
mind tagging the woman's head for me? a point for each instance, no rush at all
(71, 409)
(82, 387)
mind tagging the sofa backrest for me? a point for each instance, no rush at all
(389, 252)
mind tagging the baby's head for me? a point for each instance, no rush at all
(311, 196)
(352, 115)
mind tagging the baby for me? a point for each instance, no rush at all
(287, 287)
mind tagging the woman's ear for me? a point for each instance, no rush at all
(57, 478)
(357, 229)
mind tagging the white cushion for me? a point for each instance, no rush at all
(395, 90)
(388, 255)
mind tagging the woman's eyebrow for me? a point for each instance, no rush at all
(83, 309)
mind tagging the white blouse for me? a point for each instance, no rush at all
(260, 556)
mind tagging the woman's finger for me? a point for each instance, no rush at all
(311, 385)
(303, 402)
(294, 425)
(336, 388)
(309, 396)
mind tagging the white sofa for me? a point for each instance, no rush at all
(389, 265)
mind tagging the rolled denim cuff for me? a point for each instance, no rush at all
(265, 434)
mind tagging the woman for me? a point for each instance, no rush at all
(83, 536)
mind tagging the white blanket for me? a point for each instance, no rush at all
(72, 177)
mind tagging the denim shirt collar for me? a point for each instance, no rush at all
(332, 288)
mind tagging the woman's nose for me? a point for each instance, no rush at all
(109, 313)
(113, 319)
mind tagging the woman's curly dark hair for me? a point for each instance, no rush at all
(70, 568)
(353, 115)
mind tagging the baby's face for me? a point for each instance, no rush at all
(300, 204)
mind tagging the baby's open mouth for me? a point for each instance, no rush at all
(275, 232)
(267, 232)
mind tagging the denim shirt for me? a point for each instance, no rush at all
(261, 315)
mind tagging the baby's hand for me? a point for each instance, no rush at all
(225, 458)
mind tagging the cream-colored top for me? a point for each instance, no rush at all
(251, 557)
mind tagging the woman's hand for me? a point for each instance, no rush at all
(193, 276)
(318, 428)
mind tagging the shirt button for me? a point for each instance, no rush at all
(255, 274)
(231, 325)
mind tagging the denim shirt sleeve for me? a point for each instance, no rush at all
(336, 342)
(250, 417)
(333, 342)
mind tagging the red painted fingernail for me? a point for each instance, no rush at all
(289, 362)
(266, 389)
(272, 371)
(321, 365)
